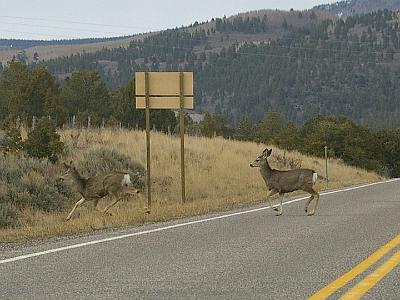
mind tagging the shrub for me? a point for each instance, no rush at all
(29, 182)
(10, 140)
(43, 141)
(8, 215)
(105, 160)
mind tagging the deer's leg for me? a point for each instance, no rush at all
(96, 201)
(280, 210)
(116, 199)
(316, 195)
(271, 193)
(308, 203)
(77, 204)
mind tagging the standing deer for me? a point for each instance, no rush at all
(115, 184)
(286, 181)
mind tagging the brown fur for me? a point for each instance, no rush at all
(97, 187)
(282, 182)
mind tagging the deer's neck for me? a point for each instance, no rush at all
(266, 171)
(79, 180)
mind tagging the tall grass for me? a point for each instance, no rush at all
(218, 177)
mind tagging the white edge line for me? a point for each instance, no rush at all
(21, 257)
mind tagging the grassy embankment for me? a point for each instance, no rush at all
(218, 177)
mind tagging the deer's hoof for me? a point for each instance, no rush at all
(279, 214)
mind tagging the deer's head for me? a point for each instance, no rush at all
(262, 159)
(68, 167)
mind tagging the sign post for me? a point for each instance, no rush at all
(146, 83)
(326, 165)
(164, 90)
(182, 132)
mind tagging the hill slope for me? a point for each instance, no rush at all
(299, 63)
(47, 50)
(352, 7)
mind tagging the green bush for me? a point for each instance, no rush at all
(10, 139)
(29, 182)
(43, 141)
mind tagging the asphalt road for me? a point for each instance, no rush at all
(249, 255)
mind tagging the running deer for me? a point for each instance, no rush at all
(283, 182)
(114, 184)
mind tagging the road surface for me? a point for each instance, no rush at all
(243, 254)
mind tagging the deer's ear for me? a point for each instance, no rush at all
(269, 152)
(265, 151)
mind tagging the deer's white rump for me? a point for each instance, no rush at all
(287, 181)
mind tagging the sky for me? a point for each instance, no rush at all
(54, 19)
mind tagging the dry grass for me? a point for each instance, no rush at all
(218, 177)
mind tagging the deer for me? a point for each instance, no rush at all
(282, 182)
(114, 184)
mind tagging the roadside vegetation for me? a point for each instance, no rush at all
(34, 201)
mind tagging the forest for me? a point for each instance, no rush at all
(335, 67)
(33, 92)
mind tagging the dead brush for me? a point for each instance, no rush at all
(288, 162)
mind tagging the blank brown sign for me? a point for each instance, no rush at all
(164, 84)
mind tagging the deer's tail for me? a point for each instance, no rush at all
(314, 177)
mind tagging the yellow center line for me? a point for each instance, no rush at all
(372, 279)
(361, 267)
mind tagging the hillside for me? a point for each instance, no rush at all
(47, 50)
(352, 7)
(299, 63)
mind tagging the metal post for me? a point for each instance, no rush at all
(148, 139)
(326, 165)
(182, 131)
